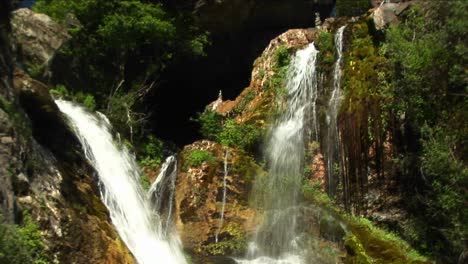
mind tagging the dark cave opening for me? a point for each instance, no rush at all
(189, 86)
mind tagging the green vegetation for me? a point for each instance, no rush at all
(369, 243)
(326, 56)
(352, 7)
(244, 102)
(22, 245)
(119, 51)
(408, 87)
(210, 124)
(197, 157)
(243, 135)
(233, 244)
(85, 99)
(152, 153)
(282, 58)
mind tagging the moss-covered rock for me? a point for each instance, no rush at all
(199, 195)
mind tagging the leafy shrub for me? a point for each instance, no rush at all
(152, 152)
(22, 245)
(210, 124)
(60, 91)
(197, 157)
(12, 248)
(243, 135)
(326, 56)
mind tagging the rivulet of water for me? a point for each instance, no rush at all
(333, 140)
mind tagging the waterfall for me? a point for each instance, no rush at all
(164, 188)
(278, 239)
(333, 140)
(221, 220)
(128, 205)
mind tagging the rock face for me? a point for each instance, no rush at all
(387, 14)
(199, 201)
(62, 195)
(43, 173)
(37, 36)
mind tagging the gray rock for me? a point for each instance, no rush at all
(37, 36)
(387, 14)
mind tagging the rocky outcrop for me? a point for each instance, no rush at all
(387, 14)
(43, 173)
(62, 195)
(36, 36)
(199, 200)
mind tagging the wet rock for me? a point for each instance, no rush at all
(37, 36)
(199, 201)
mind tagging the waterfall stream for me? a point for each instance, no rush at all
(129, 207)
(221, 220)
(333, 140)
(278, 239)
(164, 188)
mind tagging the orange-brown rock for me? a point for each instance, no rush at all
(199, 200)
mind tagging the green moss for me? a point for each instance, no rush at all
(239, 109)
(233, 241)
(246, 167)
(356, 252)
(365, 242)
(326, 56)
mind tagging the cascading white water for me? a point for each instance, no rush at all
(221, 220)
(278, 239)
(332, 149)
(162, 192)
(128, 205)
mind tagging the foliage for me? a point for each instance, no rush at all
(12, 248)
(20, 245)
(35, 70)
(121, 113)
(145, 182)
(352, 7)
(427, 52)
(198, 157)
(85, 99)
(152, 152)
(326, 56)
(119, 51)
(131, 41)
(210, 123)
(244, 102)
(60, 91)
(367, 241)
(282, 58)
(232, 243)
(31, 236)
(242, 135)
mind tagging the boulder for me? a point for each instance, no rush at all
(387, 14)
(37, 36)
